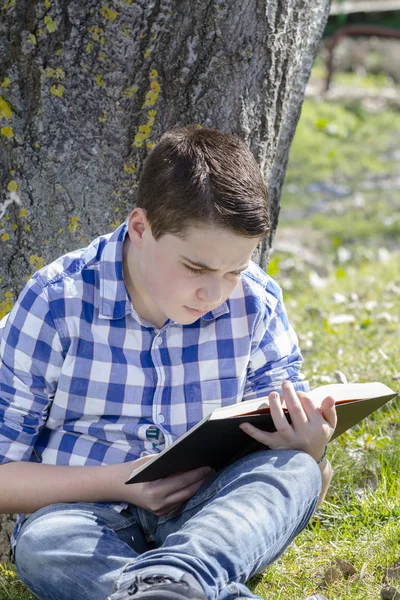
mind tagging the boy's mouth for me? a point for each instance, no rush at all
(196, 311)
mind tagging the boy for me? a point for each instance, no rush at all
(115, 350)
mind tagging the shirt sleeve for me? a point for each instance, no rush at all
(275, 355)
(31, 357)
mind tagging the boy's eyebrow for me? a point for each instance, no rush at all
(206, 267)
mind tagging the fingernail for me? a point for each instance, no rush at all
(274, 396)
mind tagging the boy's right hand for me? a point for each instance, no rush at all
(163, 495)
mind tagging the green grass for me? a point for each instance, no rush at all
(359, 521)
(354, 270)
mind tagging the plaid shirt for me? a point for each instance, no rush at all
(85, 381)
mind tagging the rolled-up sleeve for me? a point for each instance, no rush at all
(31, 358)
(275, 355)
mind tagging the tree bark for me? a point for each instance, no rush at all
(86, 88)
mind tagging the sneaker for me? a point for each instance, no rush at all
(160, 587)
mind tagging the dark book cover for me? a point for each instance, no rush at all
(219, 442)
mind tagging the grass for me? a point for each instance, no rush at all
(347, 265)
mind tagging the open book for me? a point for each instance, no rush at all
(217, 440)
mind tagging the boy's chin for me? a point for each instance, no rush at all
(185, 319)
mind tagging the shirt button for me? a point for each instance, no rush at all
(159, 341)
(161, 418)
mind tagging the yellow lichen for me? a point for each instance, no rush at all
(57, 90)
(57, 73)
(7, 217)
(150, 144)
(36, 261)
(115, 224)
(58, 51)
(9, 4)
(60, 230)
(12, 186)
(129, 92)
(97, 34)
(28, 228)
(47, 3)
(32, 38)
(5, 110)
(14, 227)
(126, 30)
(89, 47)
(5, 237)
(101, 56)
(6, 82)
(23, 212)
(152, 94)
(103, 119)
(152, 116)
(151, 98)
(50, 24)
(99, 80)
(74, 224)
(7, 304)
(108, 13)
(7, 131)
(130, 168)
(147, 53)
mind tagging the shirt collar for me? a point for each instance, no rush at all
(114, 302)
(114, 299)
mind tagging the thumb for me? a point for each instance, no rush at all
(328, 411)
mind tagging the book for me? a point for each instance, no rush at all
(218, 441)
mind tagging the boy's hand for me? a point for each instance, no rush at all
(311, 427)
(164, 495)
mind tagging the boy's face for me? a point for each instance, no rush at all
(184, 278)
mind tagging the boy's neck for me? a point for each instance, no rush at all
(141, 301)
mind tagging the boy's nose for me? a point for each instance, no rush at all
(211, 293)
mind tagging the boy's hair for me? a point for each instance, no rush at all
(198, 175)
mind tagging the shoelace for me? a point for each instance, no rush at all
(152, 580)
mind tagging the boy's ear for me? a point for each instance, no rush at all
(137, 225)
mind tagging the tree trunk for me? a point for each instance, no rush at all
(87, 87)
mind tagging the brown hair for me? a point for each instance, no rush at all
(203, 175)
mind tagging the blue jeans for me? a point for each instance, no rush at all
(238, 522)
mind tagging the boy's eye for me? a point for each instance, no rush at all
(201, 271)
(197, 271)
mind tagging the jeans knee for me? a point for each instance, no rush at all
(306, 472)
(294, 469)
(37, 536)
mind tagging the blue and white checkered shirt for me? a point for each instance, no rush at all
(85, 381)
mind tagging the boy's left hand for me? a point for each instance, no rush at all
(311, 428)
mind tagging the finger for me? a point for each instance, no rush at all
(165, 510)
(313, 412)
(171, 484)
(264, 437)
(296, 411)
(179, 496)
(328, 411)
(278, 414)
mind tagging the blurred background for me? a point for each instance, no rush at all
(336, 251)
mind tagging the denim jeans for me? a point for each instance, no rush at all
(238, 522)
